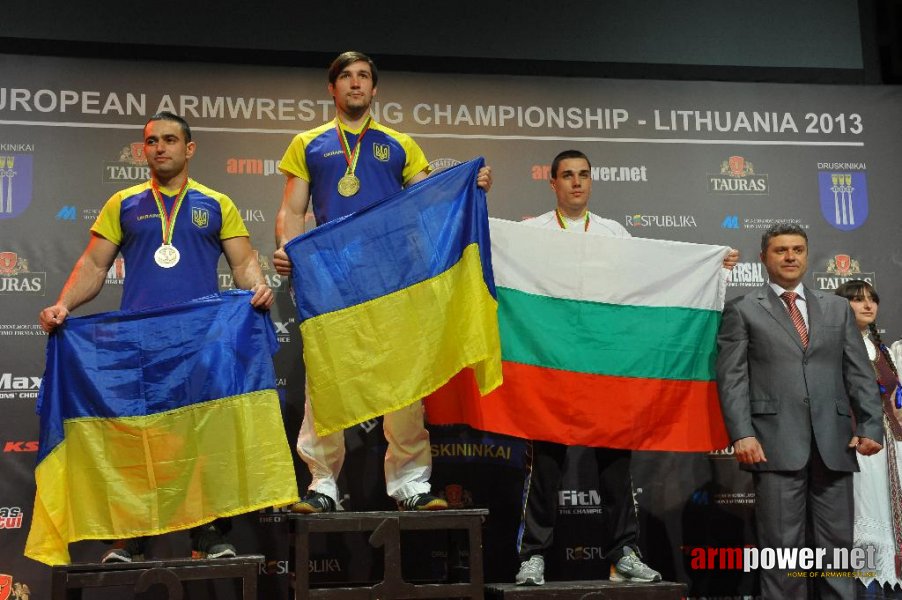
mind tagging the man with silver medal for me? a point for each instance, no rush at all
(171, 232)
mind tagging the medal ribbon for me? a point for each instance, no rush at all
(563, 224)
(167, 221)
(351, 156)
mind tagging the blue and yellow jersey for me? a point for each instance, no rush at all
(130, 220)
(388, 160)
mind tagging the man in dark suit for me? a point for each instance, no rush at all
(792, 371)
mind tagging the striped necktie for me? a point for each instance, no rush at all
(796, 315)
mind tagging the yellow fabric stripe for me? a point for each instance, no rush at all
(149, 475)
(108, 225)
(382, 355)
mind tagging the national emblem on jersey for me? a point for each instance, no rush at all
(200, 217)
(381, 152)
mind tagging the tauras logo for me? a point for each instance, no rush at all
(15, 278)
(840, 269)
(737, 176)
(131, 166)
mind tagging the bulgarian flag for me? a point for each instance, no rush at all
(604, 341)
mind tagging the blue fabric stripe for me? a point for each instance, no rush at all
(136, 363)
(409, 237)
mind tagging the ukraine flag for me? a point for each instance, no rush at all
(157, 420)
(396, 299)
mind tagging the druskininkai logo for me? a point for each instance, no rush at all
(16, 175)
(843, 198)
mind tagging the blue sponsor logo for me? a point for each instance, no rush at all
(730, 222)
(16, 171)
(844, 198)
(66, 213)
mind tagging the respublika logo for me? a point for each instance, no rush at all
(252, 215)
(844, 196)
(668, 221)
(840, 269)
(15, 278)
(16, 175)
(131, 166)
(738, 176)
(583, 553)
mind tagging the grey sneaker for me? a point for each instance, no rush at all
(532, 571)
(208, 542)
(631, 568)
(124, 551)
(313, 503)
(422, 502)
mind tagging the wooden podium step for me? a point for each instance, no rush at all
(68, 581)
(587, 590)
(386, 528)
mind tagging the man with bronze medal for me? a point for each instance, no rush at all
(344, 166)
(571, 182)
(170, 260)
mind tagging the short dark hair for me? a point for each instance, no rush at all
(347, 58)
(781, 229)
(564, 156)
(856, 289)
(168, 116)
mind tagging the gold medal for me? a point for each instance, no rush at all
(167, 256)
(348, 185)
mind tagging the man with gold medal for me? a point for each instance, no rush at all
(171, 231)
(343, 166)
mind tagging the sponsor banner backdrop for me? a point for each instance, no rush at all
(707, 162)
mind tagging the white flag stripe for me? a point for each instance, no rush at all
(596, 268)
